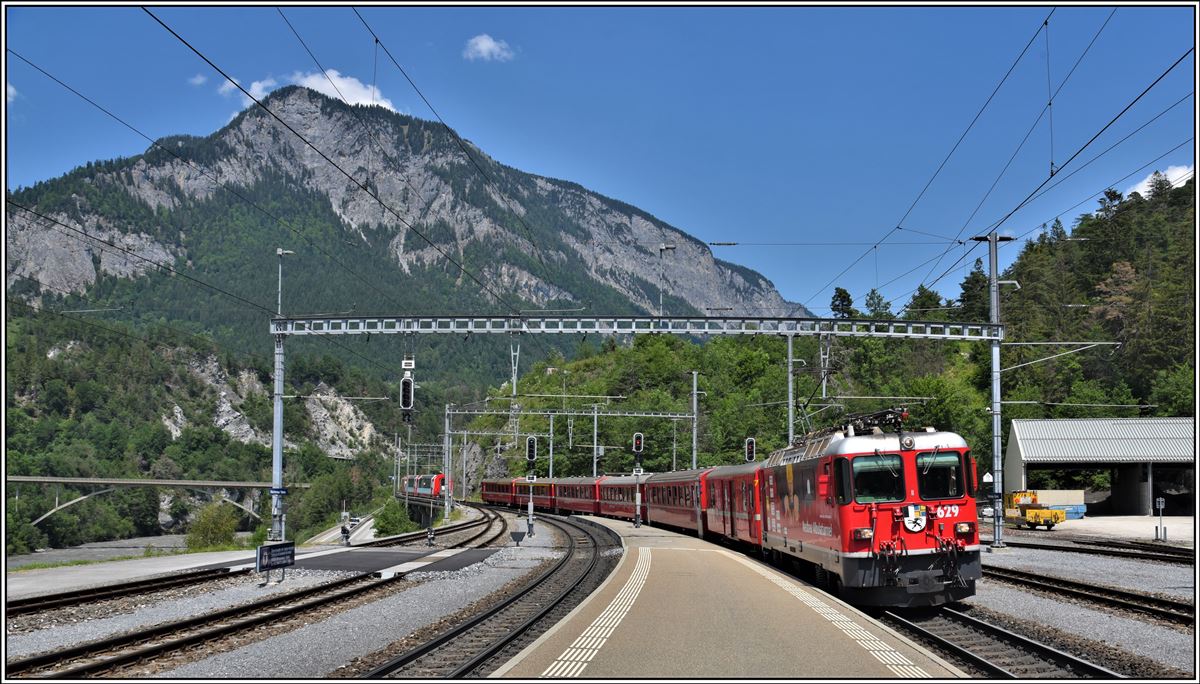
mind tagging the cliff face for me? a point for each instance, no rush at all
(544, 240)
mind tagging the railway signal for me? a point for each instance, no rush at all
(406, 392)
(531, 449)
(749, 449)
(637, 442)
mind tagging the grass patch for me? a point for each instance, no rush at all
(61, 564)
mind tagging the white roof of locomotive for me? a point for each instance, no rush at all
(838, 443)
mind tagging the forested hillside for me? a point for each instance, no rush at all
(89, 397)
(1126, 274)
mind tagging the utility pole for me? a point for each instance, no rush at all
(595, 436)
(551, 445)
(674, 424)
(791, 412)
(464, 466)
(277, 492)
(695, 422)
(448, 496)
(993, 239)
(662, 273)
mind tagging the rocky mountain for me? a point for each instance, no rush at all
(538, 240)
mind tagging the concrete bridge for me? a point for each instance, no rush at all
(110, 484)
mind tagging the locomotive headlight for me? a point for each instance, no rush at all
(864, 533)
(963, 528)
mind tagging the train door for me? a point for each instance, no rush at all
(728, 509)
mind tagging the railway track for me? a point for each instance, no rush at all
(997, 652)
(97, 657)
(36, 604)
(1168, 609)
(420, 535)
(1097, 550)
(466, 648)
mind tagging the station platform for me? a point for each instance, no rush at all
(679, 607)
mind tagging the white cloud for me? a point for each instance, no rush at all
(355, 91)
(258, 89)
(228, 86)
(10, 93)
(198, 80)
(487, 48)
(1173, 174)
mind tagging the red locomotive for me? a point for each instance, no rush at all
(882, 518)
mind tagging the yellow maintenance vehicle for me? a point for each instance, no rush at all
(1023, 508)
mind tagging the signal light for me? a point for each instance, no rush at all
(637, 442)
(406, 392)
(531, 448)
(749, 449)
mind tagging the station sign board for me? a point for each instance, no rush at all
(278, 555)
(279, 490)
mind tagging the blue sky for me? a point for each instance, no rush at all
(754, 125)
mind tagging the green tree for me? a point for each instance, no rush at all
(55, 397)
(975, 301)
(1174, 391)
(877, 306)
(842, 304)
(925, 305)
(214, 526)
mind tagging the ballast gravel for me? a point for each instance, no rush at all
(1176, 581)
(53, 635)
(1161, 644)
(322, 647)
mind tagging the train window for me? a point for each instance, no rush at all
(940, 475)
(878, 477)
(842, 481)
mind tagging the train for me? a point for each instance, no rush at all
(877, 514)
(430, 486)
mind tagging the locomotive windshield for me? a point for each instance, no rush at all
(940, 475)
(878, 477)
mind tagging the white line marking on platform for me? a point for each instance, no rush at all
(577, 656)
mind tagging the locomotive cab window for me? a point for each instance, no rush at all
(878, 477)
(940, 475)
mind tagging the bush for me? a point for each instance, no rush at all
(393, 519)
(214, 527)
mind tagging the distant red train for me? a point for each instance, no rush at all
(431, 486)
(882, 518)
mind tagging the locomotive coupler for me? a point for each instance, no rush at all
(889, 562)
(948, 549)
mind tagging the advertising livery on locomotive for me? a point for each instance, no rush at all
(879, 514)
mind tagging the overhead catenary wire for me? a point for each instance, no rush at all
(207, 173)
(83, 236)
(461, 144)
(484, 286)
(900, 223)
(1041, 225)
(1079, 151)
(1024, 139)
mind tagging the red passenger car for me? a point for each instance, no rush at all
(674, 499)
(424, 486)
(617, 496)
(734, 504)
(542, 491)
(577, 494)
(499, 492)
